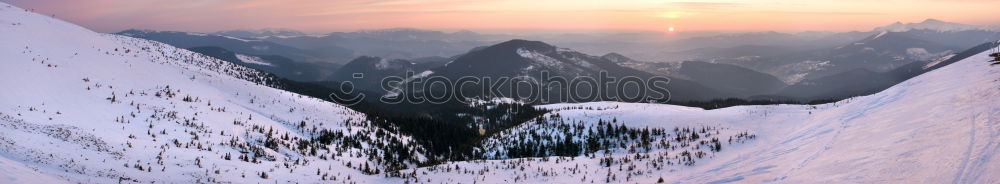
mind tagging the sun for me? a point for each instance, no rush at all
(671, 29)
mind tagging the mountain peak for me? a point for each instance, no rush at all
(930, 24)
(524, 44)
(616, 57)
(521, 41)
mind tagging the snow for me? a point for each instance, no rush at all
(382, 64)
(80, 108)
(565, 62)
(880, 34)
(252, 60)
(491, 103)
(575, 58)
(449, 62)
(938, 61)
(799, 70)
(940, 127)
(15, 172)
(795, 78)
(539, 58)
(66, 116)
(747, 58)
(921, 54)
(397, 90)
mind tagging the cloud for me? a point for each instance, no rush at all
(704, 5)
(833, 13)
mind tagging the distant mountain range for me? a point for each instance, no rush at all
(731, 78)
(511, 59)
(254, 47)
(261, 33)
(275, 64)
(933, 24)
(367, 72)
(763, 65)
(394, 43)
(862, 81)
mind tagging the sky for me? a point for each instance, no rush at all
(510, 15)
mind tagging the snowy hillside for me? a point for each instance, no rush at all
(941, 127)
(80, 106)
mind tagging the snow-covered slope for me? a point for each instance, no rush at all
(85, 107)
(940, 127)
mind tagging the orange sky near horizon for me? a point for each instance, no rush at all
(525, 15)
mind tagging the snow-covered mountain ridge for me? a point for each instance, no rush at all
(85, 107)
(932, 24)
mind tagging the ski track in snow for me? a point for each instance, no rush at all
(973, 160)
